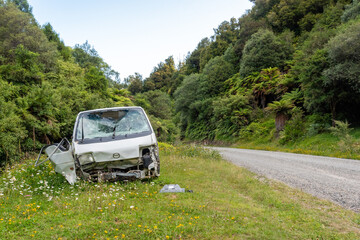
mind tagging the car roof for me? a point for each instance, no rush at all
(111, 109)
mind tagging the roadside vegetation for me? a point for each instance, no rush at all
(339, 141)
(278, 77)
(44, 84)
(227, 202)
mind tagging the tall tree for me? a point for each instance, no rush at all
(54, 37)
(215, 73)
(344, 71)
(352, 11)
(261, 8)
(21, 28)
(86, 56)
(161, 76)
(248, 26)
(264, 50)
(195, 60)
(282, 111)
(22, 5)
(95, 80)
(135, 83)
(296, 15)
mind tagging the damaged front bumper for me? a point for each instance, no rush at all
(103, 164)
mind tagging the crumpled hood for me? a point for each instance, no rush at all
(115, 150)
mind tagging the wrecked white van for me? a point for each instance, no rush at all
(108, 144)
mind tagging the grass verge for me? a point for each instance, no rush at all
(227, 203)
(323, 144)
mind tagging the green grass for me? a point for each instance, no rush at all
(227, 203)
(323, 144)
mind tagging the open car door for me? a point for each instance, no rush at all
(61, 157)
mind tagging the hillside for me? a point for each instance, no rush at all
(284, 72)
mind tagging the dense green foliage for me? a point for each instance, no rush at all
(263, 50)
(285, 69)
(44, 84)
(295, 61)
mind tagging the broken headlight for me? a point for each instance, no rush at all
(86, 158)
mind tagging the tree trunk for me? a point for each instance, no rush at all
(263, 101)
(280, 121)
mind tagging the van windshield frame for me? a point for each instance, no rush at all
(110, 125)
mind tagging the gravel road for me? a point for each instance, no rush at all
(335, 179)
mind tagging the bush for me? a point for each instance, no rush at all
(258, 131)
(294, 129)
(318, 124)
(346, 141)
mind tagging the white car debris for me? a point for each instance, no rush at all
(107, 145)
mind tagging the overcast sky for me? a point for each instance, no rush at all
(135, 35)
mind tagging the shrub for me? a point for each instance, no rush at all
(258, 130)
(318, 124)
(346, 141)
(295, 127)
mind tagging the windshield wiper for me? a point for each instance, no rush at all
(113, 137)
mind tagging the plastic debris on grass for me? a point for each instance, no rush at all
(172, 188)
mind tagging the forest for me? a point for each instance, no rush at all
(284, 70)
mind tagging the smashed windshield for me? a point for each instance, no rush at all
(112, 124)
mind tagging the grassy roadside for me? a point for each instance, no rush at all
(323, 144)
(228, 203)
